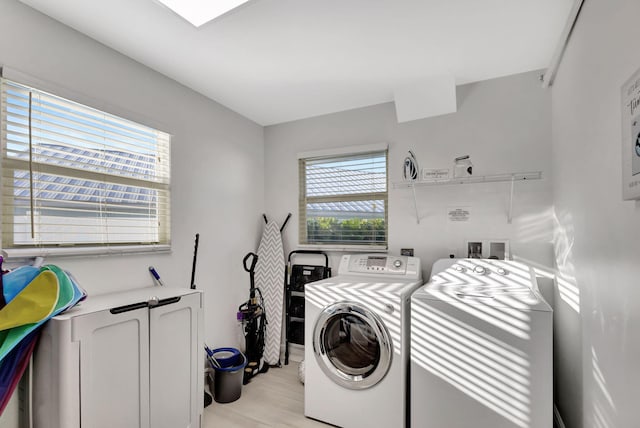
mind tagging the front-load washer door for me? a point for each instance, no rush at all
(352, 345)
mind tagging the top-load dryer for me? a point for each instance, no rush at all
(481, 348)
(356, 342)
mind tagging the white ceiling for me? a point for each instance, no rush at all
(275, 61)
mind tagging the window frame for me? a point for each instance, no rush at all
(42, 249)
(303, 199)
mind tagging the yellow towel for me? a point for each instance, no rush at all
(33, 304)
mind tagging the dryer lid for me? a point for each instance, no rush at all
(485, 282)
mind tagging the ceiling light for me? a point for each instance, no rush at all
(198, 12)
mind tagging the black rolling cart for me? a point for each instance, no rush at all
(297, 276)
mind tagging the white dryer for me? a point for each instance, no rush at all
(356, 336)
(481, 348)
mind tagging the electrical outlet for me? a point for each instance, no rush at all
(499, 249)
(474, 249)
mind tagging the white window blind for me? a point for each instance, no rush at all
(76, 176)
(343, 199)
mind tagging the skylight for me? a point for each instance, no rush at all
(199, 12)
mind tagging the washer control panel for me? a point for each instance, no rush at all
(509, 282)
(380, 264)
(472, 267)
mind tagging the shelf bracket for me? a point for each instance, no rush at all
(415, 203)
(510, 214)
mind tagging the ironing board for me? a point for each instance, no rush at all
(269, 275)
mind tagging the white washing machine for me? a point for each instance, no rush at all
(481, 348)
(356, 336)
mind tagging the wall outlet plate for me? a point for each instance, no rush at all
(487, 249)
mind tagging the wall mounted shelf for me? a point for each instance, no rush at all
(474, 179)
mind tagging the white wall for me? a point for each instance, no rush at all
(217, 163)
(503, 124)
(598, 240)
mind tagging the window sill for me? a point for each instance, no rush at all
(26, 253)
(345, 248)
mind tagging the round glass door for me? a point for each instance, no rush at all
(352, 345)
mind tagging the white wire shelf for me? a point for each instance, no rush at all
(514, 176)
(511, 177)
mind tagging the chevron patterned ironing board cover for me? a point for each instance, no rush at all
(269, 277)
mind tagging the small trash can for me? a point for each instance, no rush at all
(227, 379)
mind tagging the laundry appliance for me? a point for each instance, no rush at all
(481, 347)
(357, 342)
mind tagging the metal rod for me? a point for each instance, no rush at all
(510, 215)
(286, 220)
(415, 203)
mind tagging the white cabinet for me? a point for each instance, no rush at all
(128, 360)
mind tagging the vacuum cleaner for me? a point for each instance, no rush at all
(251, 314)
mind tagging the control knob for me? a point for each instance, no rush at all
(479, 270)
(397, 263)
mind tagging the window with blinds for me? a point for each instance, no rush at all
(343, 199)
(73, 176)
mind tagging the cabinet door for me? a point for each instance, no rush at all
(176, 363)
(114, 368)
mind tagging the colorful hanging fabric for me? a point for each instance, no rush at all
(33, 304)
(13, 366)
(32, 296)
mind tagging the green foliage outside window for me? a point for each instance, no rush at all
(331, 229)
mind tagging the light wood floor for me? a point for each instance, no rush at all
(272, 399)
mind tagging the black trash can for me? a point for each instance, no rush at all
(227, 379)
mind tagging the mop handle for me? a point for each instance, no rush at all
(212, 360)
(193, 268)
(155, 274)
